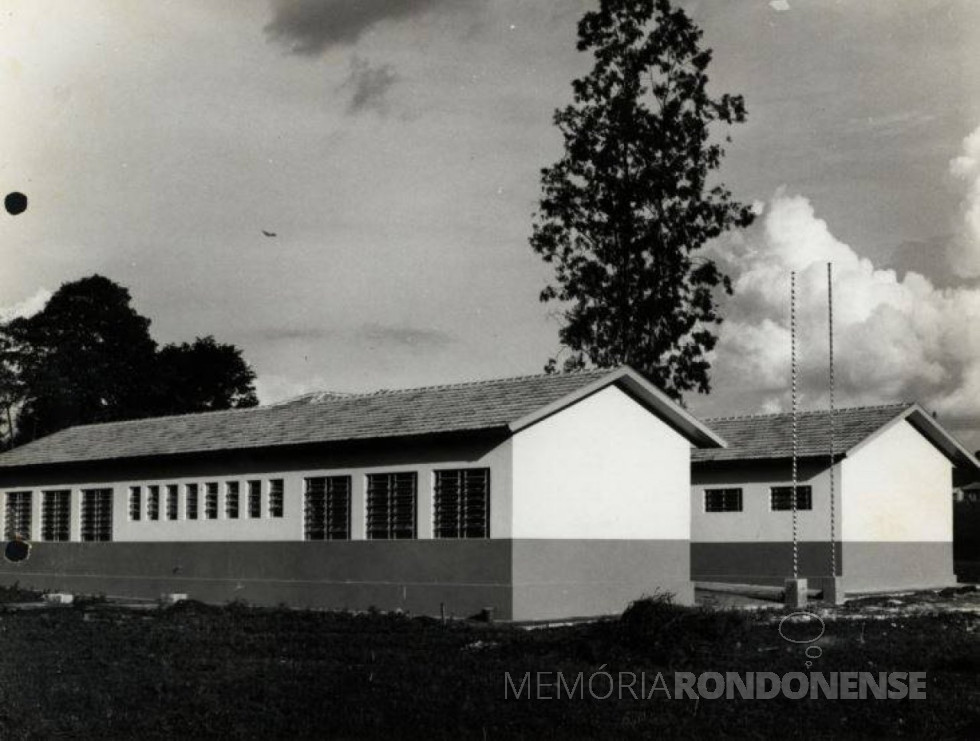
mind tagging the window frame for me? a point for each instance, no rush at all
(725, 491)
(327, 528)
(62, 520)
(136, 503)
(192, 501)
(153, 502)
(390, 530)
(461, 507)
(233, 494)
(276, 495)
(254, 499)
(12, 501)
(99, 531)
(211, 490)
(172, 502)
(803, 491)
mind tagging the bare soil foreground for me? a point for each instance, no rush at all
(95, 669)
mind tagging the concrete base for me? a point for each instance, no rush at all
(795, 593)
(833, 590)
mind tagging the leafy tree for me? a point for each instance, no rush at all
(204, 376)
(11, 389)
(86, 357)
(632, 199)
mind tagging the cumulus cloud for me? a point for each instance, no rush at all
(779, 5)
(964, 250)
(895, 339)
(310, 27)
(28, 307)
(369, 85)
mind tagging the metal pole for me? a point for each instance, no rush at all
(830, 333)
(792, 323)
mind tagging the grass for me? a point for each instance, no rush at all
(197, 671)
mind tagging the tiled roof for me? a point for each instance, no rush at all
(313, 418)
(763, 436)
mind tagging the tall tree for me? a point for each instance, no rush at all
(86, 357)
(633, 198)
(204, 376)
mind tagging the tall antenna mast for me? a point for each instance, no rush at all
(830, 335)
(792, 325)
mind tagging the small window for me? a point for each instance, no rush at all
(391, 501)
(275, 498)
(211, 500)
(255, 499)
(781, 498)
(327, 508)
(153, 502)
(135, 503)
(191, 503)
(56, 515)
(462, 503)
(172, 503)
(18, 512)
(722, 500)
(231, 500)
(97, 514)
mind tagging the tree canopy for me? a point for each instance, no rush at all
(632, 199)
(88, 356)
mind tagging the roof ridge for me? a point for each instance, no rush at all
(860, 407)
(484, 382)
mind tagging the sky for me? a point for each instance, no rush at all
(393, 147)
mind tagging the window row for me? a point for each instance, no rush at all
(461, 501)
(157, 502)
(780, 499)
(96, 511)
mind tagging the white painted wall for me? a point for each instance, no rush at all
(757, 523)
(605, 467)
(898, 488)
(290, 525)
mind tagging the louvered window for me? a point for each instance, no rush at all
(56, 515)
(255, 499)
(172, 501)
(18, 511)
(462, 503)
(231, 500)
(153, 502)
(722, 500)
(135, 503)
(191, 504)
(211, 500)
(275, 498)
(97, 514)
(781, 498)
(391, 506)
(326, 512)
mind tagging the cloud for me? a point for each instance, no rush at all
(404, 336)
(964, 250)
(28, 307)
(369, 85)
(779, 5)
(895, 339)
(310, 27)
